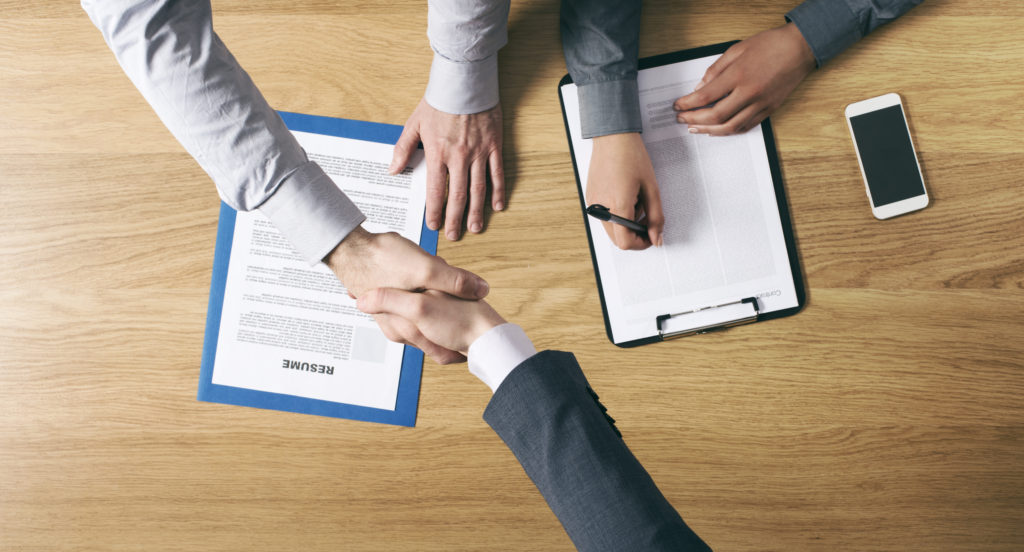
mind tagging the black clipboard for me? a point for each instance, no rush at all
(746, 306)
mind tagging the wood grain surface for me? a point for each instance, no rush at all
(888, 415)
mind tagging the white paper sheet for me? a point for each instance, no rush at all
(723, 237)
(290, 328)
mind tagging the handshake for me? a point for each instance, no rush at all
(416, 298)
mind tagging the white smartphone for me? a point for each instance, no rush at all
(886, 154)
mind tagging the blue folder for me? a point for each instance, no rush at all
(406, 404)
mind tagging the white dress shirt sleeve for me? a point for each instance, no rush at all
(172, 55)
(494, 355)
(466, 36)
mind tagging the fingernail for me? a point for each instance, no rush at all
(499, 206)
(452, 236)
(475, 227)
(482, 288)
(681, 118)
(699, 85)
(693, 130)
(676, 107)
(433, 224)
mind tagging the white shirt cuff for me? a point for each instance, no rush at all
(462, 88)
(312, 212)
(494, 355)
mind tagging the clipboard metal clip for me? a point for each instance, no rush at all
(708, 319)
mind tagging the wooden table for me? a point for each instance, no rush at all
(888, 415)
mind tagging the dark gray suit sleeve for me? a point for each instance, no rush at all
(601, 39)
(550, 418)
(831, 26)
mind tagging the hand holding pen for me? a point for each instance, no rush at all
(622, 178)
(600, 212)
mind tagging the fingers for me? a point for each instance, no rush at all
(477, 195)
(707, 94)
(741, 122)
(497, 180)
(457, 195)
(385, 301)
(624, 238)
(400, 330)
(459, 149)
(755, 77)
(437, 177)
(404, 148)
(441, 276)
(755, 120)
(694, 100)
(719, 113)
(719, 65)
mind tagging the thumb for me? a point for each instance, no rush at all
(455, 281)
(719, 65)
(382, 301)
(404, 148)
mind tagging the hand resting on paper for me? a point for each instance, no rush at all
(750, 81)
(460, 151)
(621, 178)
(364, 260)
(448, 321)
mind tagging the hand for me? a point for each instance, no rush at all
(622, 179)
(363, 261)
(459, 149)
(450, 322)
(749, 82)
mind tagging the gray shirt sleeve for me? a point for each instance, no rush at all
(172, 55)
(831, 26)
(600, 39)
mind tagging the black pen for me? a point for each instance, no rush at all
(600, 212)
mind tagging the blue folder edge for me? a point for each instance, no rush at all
(407, 402)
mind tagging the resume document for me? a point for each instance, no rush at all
(290, 328)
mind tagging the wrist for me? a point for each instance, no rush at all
(495, 354)
(798, 40)
(486, 322)
(350, 248)
(620, 144)
(612, 140)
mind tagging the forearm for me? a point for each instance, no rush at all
(171, 53)
(831, 26)
(549, 417)
(600, 39)
(465, 37)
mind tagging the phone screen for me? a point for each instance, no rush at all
(883, 140)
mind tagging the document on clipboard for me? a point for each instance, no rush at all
(729, 256)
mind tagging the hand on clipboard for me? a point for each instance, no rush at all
(622, 178)
(718, 277)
